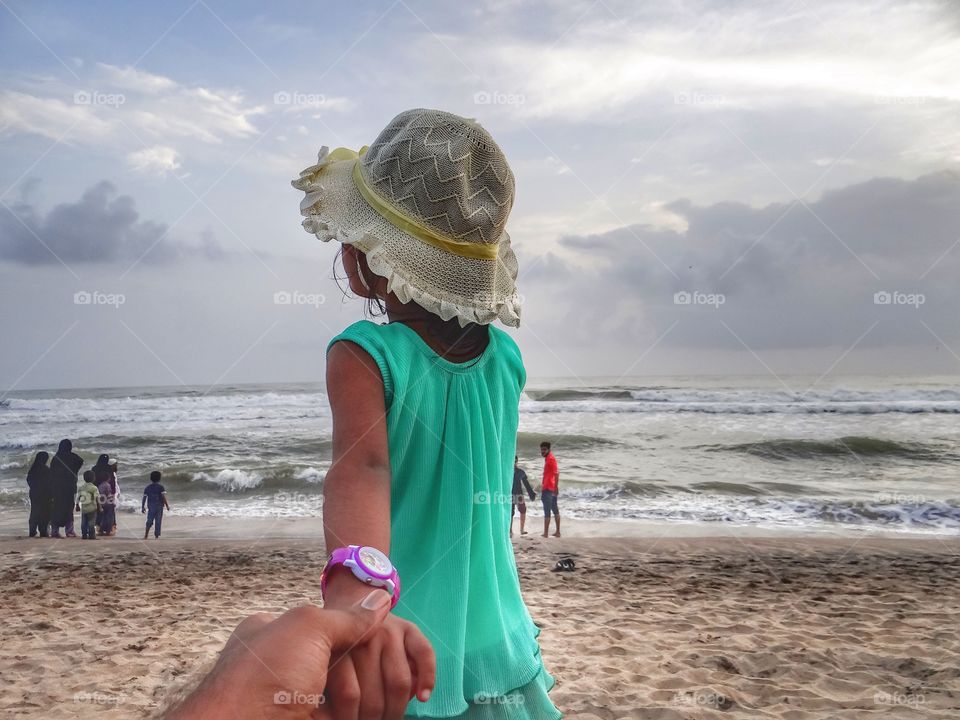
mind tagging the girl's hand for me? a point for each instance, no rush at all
(377, 680)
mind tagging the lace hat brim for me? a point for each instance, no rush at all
(470, 289)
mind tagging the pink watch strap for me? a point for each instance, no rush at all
(339, 557)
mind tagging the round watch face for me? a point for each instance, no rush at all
(375, 562)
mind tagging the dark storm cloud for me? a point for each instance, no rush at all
(102, 226)
(790, 275)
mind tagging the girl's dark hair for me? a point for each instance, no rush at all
(468, 340)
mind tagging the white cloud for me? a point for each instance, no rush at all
(601, 70)
(297, 102)
(557, 165)
(196, 113)
(121, 106)
(51, 118)
(157, 159)
(133, 79)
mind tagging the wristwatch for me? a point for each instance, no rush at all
(368, 565)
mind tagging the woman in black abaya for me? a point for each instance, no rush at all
(41, 496)
(63, 474)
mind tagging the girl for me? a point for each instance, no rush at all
(425, 414)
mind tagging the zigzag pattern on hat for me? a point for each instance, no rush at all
(426, 169)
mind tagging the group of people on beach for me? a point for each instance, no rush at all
(549, 490)
(56, 493)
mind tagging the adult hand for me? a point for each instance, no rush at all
(277, 667)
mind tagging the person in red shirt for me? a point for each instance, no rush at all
(549, 489)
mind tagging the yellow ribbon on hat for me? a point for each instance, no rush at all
(407, 224)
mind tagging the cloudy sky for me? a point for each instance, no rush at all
(703, 187)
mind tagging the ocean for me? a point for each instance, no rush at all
(849, 455)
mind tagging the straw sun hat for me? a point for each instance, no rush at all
(427, 203)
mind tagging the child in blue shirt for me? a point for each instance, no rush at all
(154, 500)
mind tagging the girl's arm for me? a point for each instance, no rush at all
(356, 489)
(395, 662)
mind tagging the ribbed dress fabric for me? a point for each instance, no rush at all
(452, 431)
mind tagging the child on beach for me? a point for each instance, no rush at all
(425, 415)
(153, 502)
(88, 500)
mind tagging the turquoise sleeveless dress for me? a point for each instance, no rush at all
(452, 432)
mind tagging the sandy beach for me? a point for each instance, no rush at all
(645, 627)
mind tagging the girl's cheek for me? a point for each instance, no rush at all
(356, 285)
(349, 261)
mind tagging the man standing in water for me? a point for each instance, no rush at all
(549, 489)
